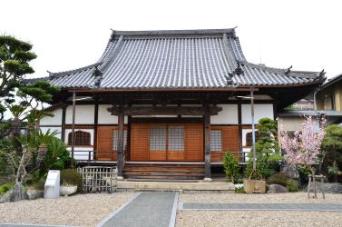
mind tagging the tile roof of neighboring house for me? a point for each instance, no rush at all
(331, 81)
(181, 59)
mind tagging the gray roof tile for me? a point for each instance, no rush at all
(189, 59)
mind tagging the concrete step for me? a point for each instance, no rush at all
(145, 185)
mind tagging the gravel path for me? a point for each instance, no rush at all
(299, 197)
(257, 218)
(263, 206)
(78, 210)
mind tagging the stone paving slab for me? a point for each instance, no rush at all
(148, 209)
(262, 206)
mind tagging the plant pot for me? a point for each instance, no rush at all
(67, 190)
(254, 186)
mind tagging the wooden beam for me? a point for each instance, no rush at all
(212, 110)
(207, 158)
(121, 152)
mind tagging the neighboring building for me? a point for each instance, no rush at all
(329, 105)
(329, 96)
(306, 103)
(169, 98)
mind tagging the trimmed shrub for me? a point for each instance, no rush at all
(292, 185)
(231, 167)
(281, 179)
(5, 188)
(278, 178)
(71, 177)
(39, 184)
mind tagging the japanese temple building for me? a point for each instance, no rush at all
(169, 103)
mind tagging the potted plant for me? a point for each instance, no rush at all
(71, 182)
(68, 189)
(265, 159)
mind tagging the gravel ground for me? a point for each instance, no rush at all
(257, 218)
(78, 210)
(299, 197)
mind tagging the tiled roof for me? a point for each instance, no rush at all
(184, 59)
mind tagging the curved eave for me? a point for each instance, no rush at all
(222, 89)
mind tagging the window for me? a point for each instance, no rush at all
(164, 138)
(116, 137)
(249, 138)
(176, 138)
(216, 140)
(158, 139)
(81, 138)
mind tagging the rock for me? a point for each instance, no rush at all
(290, 171)
(332, 187)
(34, 194)
(276, 188)
(6, 197)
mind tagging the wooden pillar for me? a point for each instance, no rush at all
(207, 157)
(63, 123)
(242, 158)
(73, 124)
(96, 121)
(121, 151)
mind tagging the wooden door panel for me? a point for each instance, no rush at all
(175, 145)
(105, 143)
(194, 142)
(139, 143)
(230, 142)
(175, 155)
(160, 154)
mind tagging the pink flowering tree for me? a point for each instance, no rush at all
(304, 148)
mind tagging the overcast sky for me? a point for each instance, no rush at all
(68, 34)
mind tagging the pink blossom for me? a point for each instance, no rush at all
(304, 147)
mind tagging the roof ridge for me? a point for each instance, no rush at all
(112, 53)
(63, 73)
(175, 32)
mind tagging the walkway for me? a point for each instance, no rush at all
(262, 206)
(148, 209)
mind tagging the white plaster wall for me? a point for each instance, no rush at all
(56, 119)
(58, 130)
(105, 117)
(91, 131)
(84, 114)
(260, 111)
(293, 123)
(228, 115)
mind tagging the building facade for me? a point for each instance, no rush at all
(169, 98)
